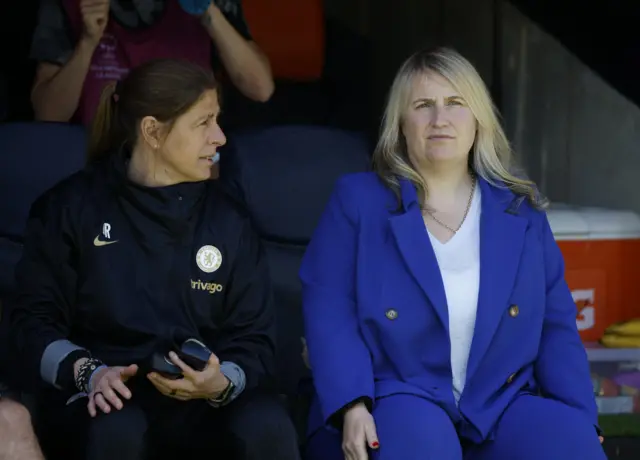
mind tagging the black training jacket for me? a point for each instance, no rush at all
(122, 270)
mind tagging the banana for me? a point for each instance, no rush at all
(627, 328)
(620, 341)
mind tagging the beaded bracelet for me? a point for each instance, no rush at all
(85, 371)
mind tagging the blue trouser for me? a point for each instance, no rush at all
(413, 428)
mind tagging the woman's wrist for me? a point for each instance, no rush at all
(65, 379)
(84, 369)
(356, 408)
(220, 386)
(76, 366)
(92, 383)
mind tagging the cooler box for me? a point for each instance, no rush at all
(615, 374)
(601, 249)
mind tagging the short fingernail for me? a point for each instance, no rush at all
(172, 354)
(375, 444)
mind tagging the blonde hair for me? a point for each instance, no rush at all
(491, 157)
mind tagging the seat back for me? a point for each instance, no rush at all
(33, 158)
(292, 35)
(285, 176)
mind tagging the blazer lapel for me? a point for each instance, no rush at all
(502, 234)
(415, 247)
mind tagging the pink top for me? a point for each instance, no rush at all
(176, 35)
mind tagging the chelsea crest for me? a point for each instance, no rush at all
(208, 258)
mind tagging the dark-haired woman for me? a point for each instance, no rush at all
(133, 256)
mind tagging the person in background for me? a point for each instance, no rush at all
(438, 321)
(17, 438)
(82, 45)
(128, 259)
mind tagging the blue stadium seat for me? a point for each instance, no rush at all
(284, 175)
(33, 158)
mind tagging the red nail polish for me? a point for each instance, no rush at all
(375, 444)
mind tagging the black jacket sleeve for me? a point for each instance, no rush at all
(248, 333)
(40, 311)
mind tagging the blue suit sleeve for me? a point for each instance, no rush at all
(562, 368)
(340, 360)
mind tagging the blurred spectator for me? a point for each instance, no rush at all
(81, 45)
(17, 439)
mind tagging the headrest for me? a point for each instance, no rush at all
(33, 158)
(286, 174)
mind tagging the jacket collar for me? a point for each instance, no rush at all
(502, 239)
(170, 206)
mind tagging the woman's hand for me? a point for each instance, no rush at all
(359, 431)
(107, 385)
(195, 385)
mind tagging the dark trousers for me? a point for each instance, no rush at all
(255, 426)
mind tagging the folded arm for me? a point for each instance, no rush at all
(247, 66)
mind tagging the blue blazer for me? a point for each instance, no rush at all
(376, 317)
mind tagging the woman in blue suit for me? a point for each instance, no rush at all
(438, 321)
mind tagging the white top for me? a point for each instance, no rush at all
(459, 262)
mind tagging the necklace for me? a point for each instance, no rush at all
(466, 211)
